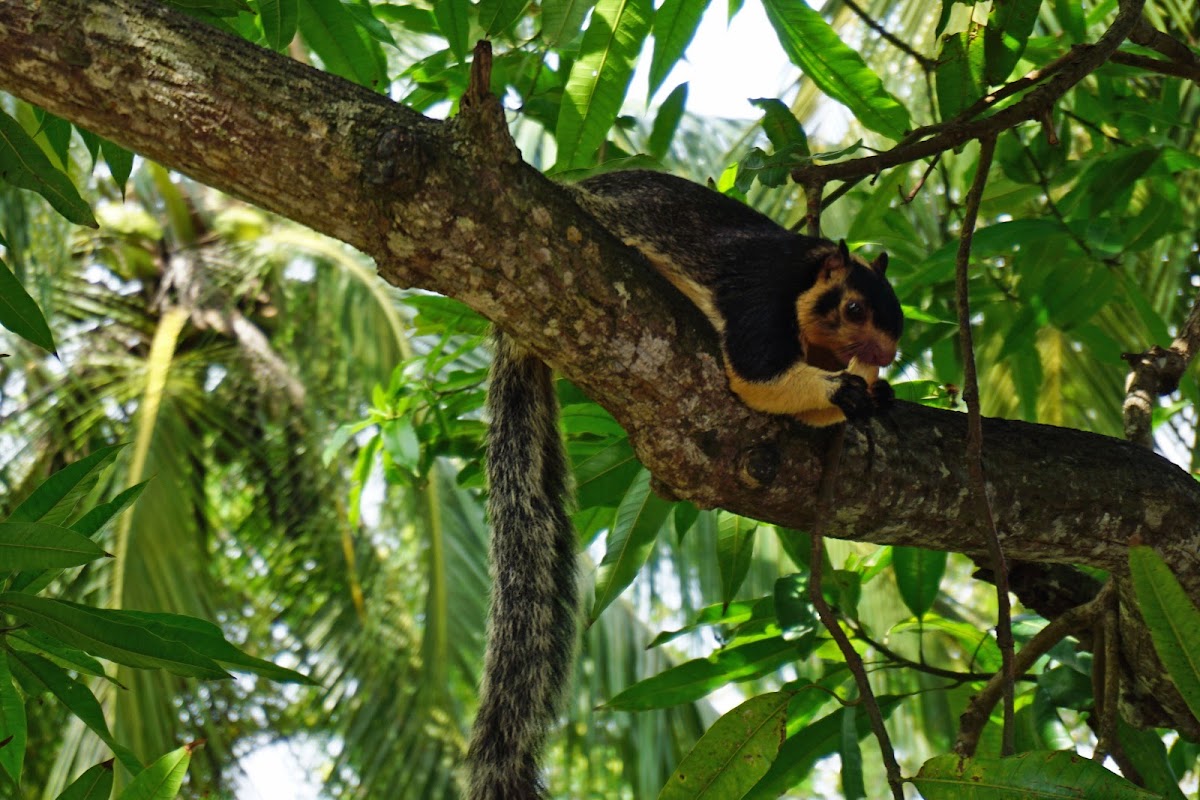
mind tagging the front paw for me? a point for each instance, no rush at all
(851, 394)
(882, 394)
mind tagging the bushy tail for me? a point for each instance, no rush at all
(532, 622)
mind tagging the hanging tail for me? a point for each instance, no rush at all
(533, 619)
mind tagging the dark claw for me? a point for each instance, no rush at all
(852, 396)
(882, 393)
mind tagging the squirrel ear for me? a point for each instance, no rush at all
(835, 262)
(880, 264)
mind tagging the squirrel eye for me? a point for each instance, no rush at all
(855, 311)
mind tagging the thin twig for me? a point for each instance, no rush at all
(1105, 648)
(908, 198)
(1071, 68)
(927, 63)
(1044, 182)
(978, 483)
(928, 669)
(1173, 69)
(866, 696)
(979, 709)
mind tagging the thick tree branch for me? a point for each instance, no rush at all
(450, 207)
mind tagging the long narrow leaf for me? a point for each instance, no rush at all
(108, 634)
(55, 498)
(675, 25)
(694, 679)
(1045, 775)
(95, 784)
(635, 528)
(36, 545)
(162, 779)
(14, 731)
(834, 67)
(24, 165)
(1173, 620)
(599, 80)
(19, 312)
(78, 699)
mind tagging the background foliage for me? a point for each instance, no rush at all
(306, 440)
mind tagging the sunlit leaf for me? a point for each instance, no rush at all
(1008, 28)
(24, 165)
(634, 530)
(95, 784)
(162, 779)
(1056, 774)
(835, 67)
(694, 679)
(599, 79)
(675, 23)
(734, 753)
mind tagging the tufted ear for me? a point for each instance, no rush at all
(880, 264)
(836, 262)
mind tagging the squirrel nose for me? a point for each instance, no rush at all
(877, 354)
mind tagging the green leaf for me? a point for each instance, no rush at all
(34, 640)
(918, 575)
(709, 615)
(78, 699)
(36, 545)
(834, 67)
(796, 614)
(563, 19)
(162, 779)
(809, 744)
(400, 442)
(208, 640)
(1040, 774)
(979, 648)
(603, 472)
(959, 78)
(108, 634)
(675, 24)
(694, 679)
(19, 312)
(344, 49)
(95, 784)
(55, 499)
(24, 165)
(639, 517)
(1173, 621)
(1008, 29)
(667, 121)
(91, 522)
(1146, 752)
(14, 730)
(88, 525)
(120, 163)
(851, 755)
(734, 753)
(599, 79)
(735, 550)
(496, 16)
(278, 18)
(455, 24)
(780, 125)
